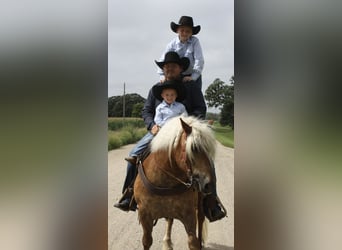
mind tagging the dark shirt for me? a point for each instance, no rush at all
(194, 104)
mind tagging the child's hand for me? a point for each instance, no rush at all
(162, 80)
(155, 129)
(187, 79)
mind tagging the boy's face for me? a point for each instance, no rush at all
(169, 95)
(184, 33)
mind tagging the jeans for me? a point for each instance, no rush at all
(138, 149)
(199, 82)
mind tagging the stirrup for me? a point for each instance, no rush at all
(128, 194)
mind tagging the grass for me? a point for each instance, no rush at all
(130, 130)
(124, 131)
(225, 135)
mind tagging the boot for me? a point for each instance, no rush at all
(127, 202)
(213, 208)
(131, 159)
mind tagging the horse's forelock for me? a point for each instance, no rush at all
(201, 140)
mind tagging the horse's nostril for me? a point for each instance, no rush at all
(207, 188)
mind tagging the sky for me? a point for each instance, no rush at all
(138, 32)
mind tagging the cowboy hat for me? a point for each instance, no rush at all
(172, 84)
(186, 21)
(173, 57)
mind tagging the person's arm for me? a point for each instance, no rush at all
(198, 60)
(184, 113)
(148, 111)
(158, 118)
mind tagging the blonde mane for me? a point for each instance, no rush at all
(201, 138)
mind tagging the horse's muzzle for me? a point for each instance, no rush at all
(202, 184)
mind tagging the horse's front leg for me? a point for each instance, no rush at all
(167, 243)
(147, 224)
(190, 227)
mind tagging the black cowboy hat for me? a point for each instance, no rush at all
(172, 84)
(173, 57)
(186, 21)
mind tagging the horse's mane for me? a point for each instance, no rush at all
(201, 138)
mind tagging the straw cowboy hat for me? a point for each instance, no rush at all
(186, 21)
(172, 84)
(173, 57)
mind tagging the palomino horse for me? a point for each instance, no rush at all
(174, 176)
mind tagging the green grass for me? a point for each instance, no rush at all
(124, 131)
(225, 135)
(130, 130)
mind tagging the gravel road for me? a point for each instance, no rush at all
(124, 231)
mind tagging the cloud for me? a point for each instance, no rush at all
(138, 32)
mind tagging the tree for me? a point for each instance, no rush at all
(216, 93)
(221, 95)
(137, 108)
(115, 105)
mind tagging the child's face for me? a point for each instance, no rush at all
(169, 95)
(184, 33)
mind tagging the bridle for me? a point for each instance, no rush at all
(183, 185)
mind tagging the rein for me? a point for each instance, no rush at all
(183, 187)
(163, 191)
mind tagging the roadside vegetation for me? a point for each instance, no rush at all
(123, 131)
(224, 134)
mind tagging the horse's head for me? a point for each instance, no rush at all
(191, 145)
(198, 144)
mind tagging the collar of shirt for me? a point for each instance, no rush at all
(179, 41)
(165, 104)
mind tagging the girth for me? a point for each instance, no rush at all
(163, 191)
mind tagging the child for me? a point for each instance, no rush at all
(171, 93)
(187, 45)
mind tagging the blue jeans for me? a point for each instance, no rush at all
(138, 149)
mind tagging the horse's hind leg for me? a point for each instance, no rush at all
(167, 243)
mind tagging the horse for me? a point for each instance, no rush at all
(174, 177)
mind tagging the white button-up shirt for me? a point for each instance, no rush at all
(190, 49)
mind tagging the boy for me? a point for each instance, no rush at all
(187, 45)
(170, 93)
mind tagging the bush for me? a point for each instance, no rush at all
(113, 142)
(122, 132)
(119, 123)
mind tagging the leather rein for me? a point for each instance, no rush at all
(163, 191)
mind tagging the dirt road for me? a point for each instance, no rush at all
(124, 231)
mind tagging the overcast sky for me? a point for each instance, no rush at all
(138, 32)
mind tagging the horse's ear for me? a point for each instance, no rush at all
(186, 127)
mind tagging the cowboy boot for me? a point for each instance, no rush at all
(125, 200)
(131, 159)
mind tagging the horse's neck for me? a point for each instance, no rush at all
(158, 164)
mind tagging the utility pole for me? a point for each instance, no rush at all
(124, 101)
